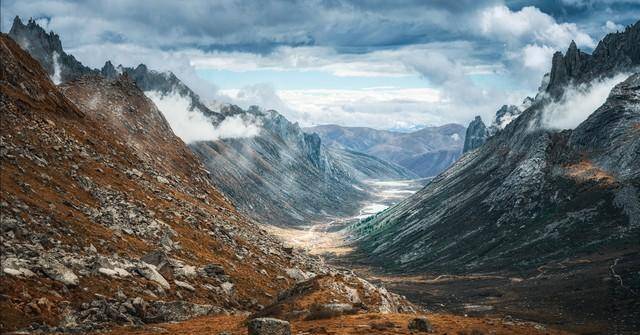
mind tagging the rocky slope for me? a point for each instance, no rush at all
(280, 175)
(108, 218)
(531, 198)
(285, 176)
(425, 152)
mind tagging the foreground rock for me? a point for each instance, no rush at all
(269, 326)
(420, 324)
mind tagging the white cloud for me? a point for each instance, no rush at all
(612, 27)
(537, 57)
(192, 126)
(528, 25)
(578, 103)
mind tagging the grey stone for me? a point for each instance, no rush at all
(269, 326)
(420, 324)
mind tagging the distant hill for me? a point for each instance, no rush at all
(425, 152)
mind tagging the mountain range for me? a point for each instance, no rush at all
(279, 175)
(425, 152)
(109, 219)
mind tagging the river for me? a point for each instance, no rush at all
(329, 236)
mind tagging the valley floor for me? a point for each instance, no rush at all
(556, 295)
(329, 237)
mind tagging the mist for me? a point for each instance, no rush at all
(578, 103)
(57, 77)
(193, 125)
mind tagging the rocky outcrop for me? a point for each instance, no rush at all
(269, 326)
(476, 135)
(47, 49)
(616, 52)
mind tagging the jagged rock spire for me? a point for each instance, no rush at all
(476, 135)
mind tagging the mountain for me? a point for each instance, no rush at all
(279, 175)
(425, 152)
(47, 49)
(164, 83)
(615, 53)
(533, 199)
(477, 133)
(285, 176)
(109, 219)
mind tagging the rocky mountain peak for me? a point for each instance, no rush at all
(47, 49)
(616, 52)
(477, 134)
(108, 70)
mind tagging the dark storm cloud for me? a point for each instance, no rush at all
(261, 26)
(478, 54)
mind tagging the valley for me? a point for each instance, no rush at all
(330, 236)
(139, 200)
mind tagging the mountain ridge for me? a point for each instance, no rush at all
(425, 152)
(341, 192)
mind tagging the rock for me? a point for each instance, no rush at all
(477, 134)
(149, 271)
(213, 270)
(298, 274)
(162, 180)
(134, 173)
(115, 272)
(59, 272)
(227, 287)
(184, 285)
(420, 324)
(269, 326)
(179, 310)
(325, 311)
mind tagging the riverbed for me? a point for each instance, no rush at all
(329, 235)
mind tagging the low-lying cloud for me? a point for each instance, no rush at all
(193, 126)
(56, 78)
(578, 103)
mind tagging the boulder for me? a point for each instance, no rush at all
(59, 272)
(149, 271)
(269, 326)
(420, 324)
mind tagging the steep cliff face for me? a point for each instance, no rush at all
(285, 176)
(425, 152)
(476, 135)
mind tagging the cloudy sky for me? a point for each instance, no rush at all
(385, 64)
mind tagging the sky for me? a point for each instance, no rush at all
(399, 64)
